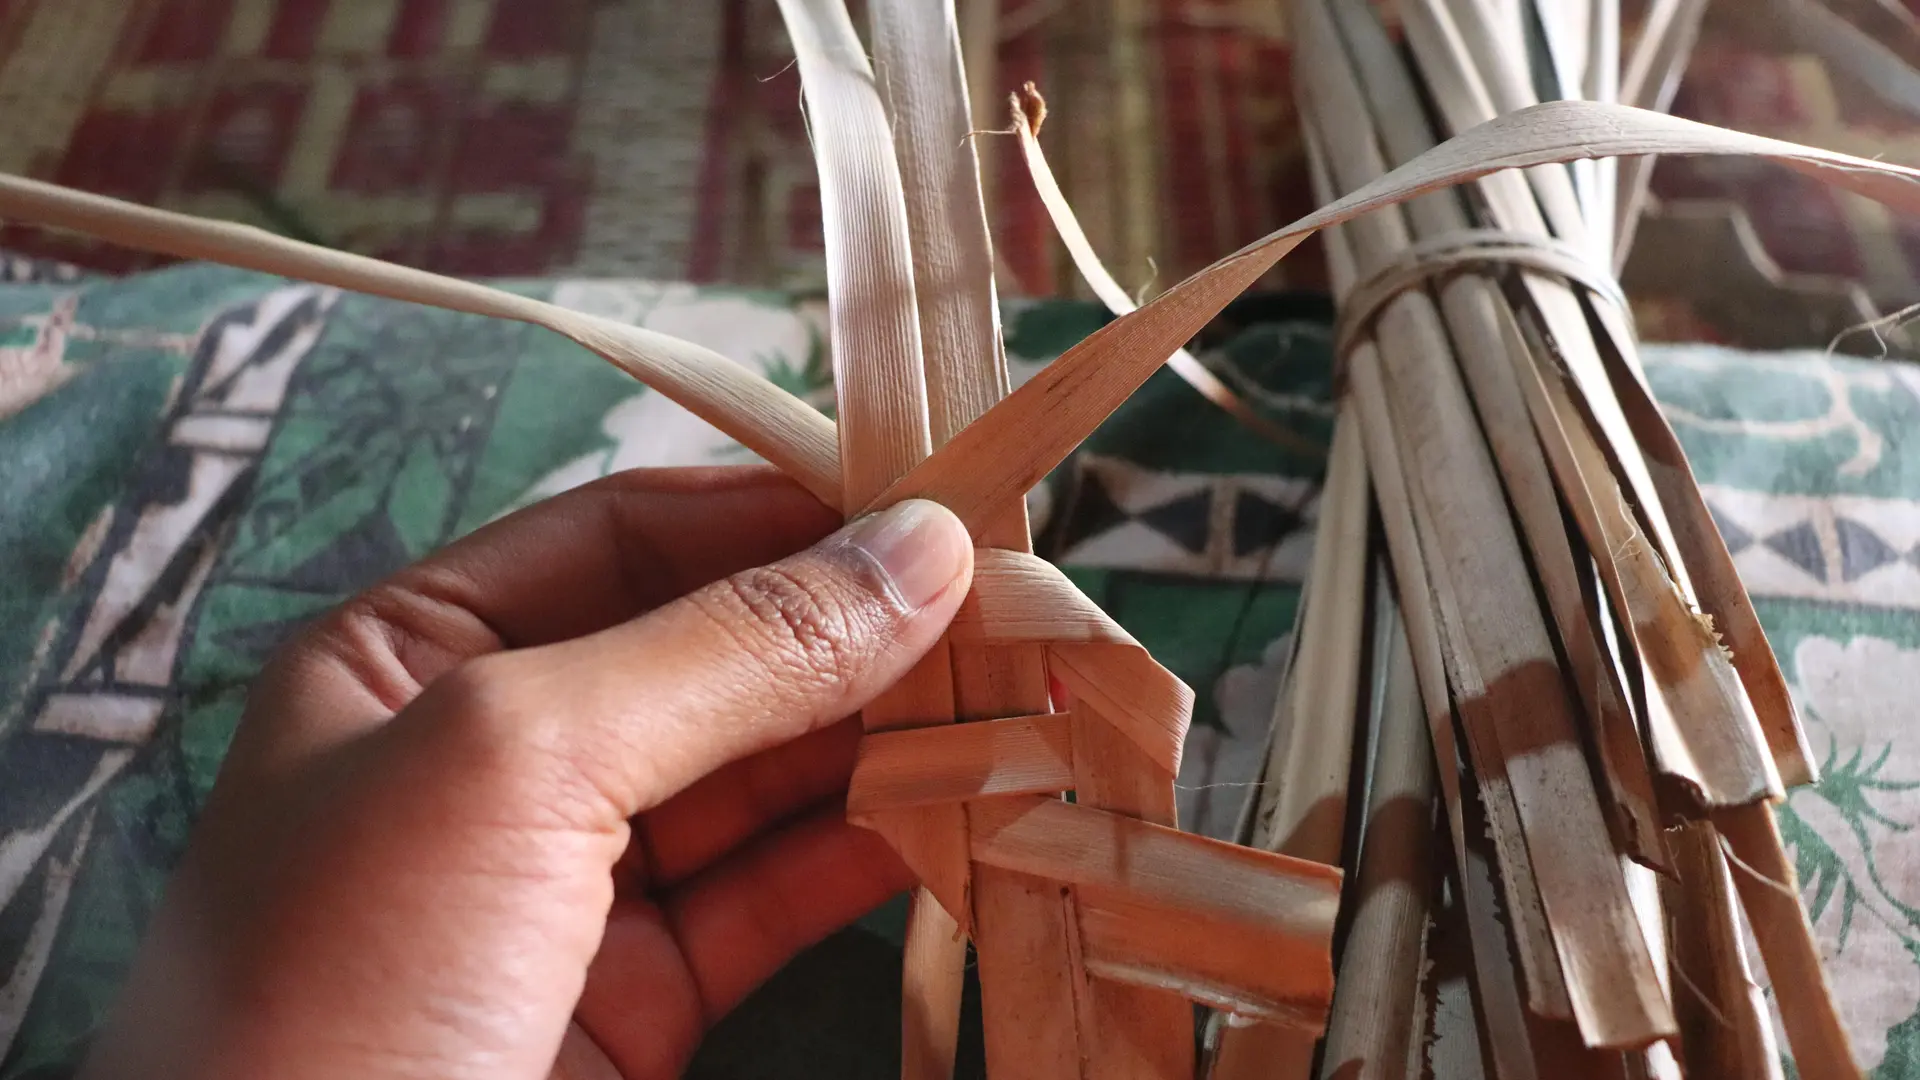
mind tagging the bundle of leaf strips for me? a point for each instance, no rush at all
(1095, 921)
(1605, 719)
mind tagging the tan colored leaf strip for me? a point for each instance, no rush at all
(741, 403)
(875, 326)
(916, 45)
(1701, 724)
(1017, 755)
(1303, 797)
(1081, 846)
(1706, 701)
(1023, 448)
(1507, 85)
(921, 74)
(1110, 773)
(1506, 678)
(1303, 805)
(1026, 129)
(1602, 83)
(1020, 598)
(923, 82)
(1704, 724)
(1717, 586)
(1370, 1033)
(1514, 706)
(1666, 509)
(1615, 734)
(1444, 59)
(1479, 319)
(1604, 462)
(1017, 442)
(1770, 891)
(1726, 1033)
(1392, 495)
(880, 383)
(1500, 996)
(1707, 708)
(1473, 308)
(1643, 75)
(1652, 78)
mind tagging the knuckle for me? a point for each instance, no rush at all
(480, 694)
(495, 727)
(382, 620)
(396, 637)
(803, 622)
(479, 685)
(494, 730)
(365, 637)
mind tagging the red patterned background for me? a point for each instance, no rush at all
(663, 138)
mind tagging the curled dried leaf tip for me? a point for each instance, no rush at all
(1029, 108)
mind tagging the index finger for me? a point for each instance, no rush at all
(569, 566)
(619, 547)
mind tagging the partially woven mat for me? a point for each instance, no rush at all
(394, 429)
(663, 139)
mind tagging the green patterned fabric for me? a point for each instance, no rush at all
(198, 460)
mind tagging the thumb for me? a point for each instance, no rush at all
(644, 709)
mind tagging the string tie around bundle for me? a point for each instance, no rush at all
(1456, 252)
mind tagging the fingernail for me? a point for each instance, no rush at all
(918, 546)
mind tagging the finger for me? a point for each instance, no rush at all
(722, 811)
(580, 1059)
(739, 922)
(615, 723)
(574, 564)
(603, 553)
(731, 927)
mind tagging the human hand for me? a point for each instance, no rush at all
(551, 801)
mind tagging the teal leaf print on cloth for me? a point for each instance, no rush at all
(1856, 836)
(770, 334)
